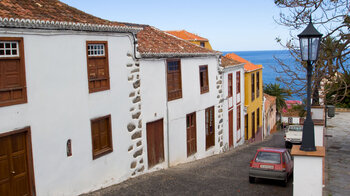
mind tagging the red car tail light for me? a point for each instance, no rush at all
(283, 167)
(251, 163)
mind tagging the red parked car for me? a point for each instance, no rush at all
(271, 163)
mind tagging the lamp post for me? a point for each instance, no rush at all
(309, 46)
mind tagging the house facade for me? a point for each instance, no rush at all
(269, 114)
(233, 82)
(193, 38)
(179, 99)
(64, 100)
(253, 98)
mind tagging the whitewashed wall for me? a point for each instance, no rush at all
(155, 106)
(296, 120)
(60, 108)
(233, 102)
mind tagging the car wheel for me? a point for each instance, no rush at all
(288, 144)
(285, 181)
(251, 179)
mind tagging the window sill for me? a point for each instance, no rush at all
(101, 153)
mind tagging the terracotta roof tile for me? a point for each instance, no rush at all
(48, 10)
(227, 62)
(154, 41)
(187, 35)
(248, 66)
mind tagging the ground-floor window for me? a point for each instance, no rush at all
(209, 127)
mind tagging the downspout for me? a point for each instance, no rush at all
(133, 35)
(167, 120)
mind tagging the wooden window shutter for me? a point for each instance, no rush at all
(174, 85)
(97, 65)
(203, 77)
(257, 84)
(12, 72)
(253, 86)
(101, 133)
(238, 82)
(238, 118)
(229, 84)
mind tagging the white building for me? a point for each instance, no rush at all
(233, 92)
(64, 97)
(180, 103)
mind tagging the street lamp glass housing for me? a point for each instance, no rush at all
(309, 43)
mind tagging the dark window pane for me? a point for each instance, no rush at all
(8, 52)
(2, 52)
(7, 45)
(14, 52)
(2, 45)
(14, 45)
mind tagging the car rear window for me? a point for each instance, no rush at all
(268, 157)
(295, 128)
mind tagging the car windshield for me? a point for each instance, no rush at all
(295, 128)
(268, 157)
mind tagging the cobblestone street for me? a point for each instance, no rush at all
(224, 174)
(338, 155)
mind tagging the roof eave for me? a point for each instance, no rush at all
(177, 55)
(62, 25)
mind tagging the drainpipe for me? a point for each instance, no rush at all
(167, 119)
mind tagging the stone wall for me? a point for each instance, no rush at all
(135, 125)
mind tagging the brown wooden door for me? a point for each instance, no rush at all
(209, 127)
(191, 134)
(230, 128)
(14, 175)
(155, 143)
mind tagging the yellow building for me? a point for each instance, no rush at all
(253, 98)
(195, 39)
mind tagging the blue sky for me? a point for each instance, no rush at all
(230, 25)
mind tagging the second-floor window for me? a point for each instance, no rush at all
(174, 79)
(97, 64)
(257, 84)
(202, 44)
(238, 82)
(253, 86)
(229, 83)
(12, 72)
(203, 77)
(258, 117)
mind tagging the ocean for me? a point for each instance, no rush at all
(267, 60)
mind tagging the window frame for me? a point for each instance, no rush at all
(106, 67)
(238, 117)
(170, 98)
(229, 85)
(238, 82)
(257, 84)
(22, 74)
(257, 117)
(107, 150)
(204, 88)
(253, 86)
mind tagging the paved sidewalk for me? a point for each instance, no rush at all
(338, 155)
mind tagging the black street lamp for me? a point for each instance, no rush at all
(309, 46)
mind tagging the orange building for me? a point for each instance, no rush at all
(195, 39)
